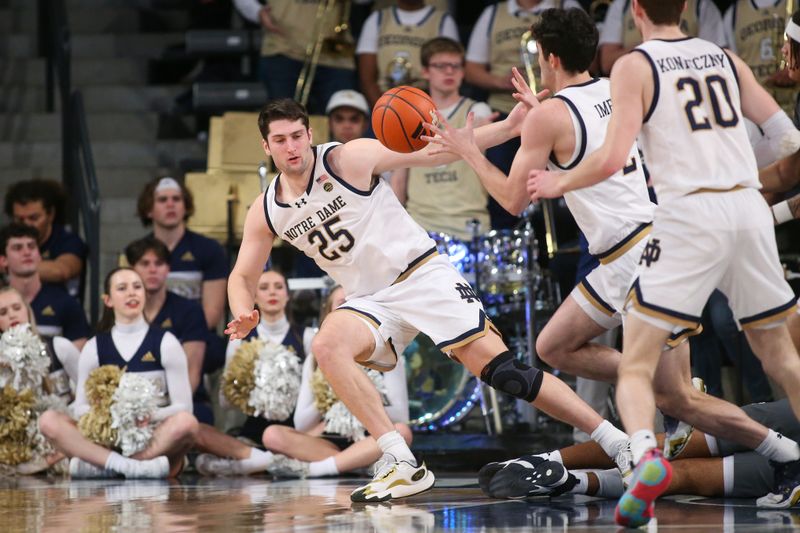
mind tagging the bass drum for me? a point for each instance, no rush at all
(440, 391)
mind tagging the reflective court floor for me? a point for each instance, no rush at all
(260, 504)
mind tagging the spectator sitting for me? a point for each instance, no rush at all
(182, 317)
(40, 204)
(390, 42)
(287, 28)
(446, 198)
(754, 31)
(198, 265)
(55, 311)
(701, 18)
(348, 114)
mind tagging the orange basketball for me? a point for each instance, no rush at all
(398, 118)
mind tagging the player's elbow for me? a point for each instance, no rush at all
(611, 162)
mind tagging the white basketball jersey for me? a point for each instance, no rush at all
(694, 136)
(364, 240)
(611, 210)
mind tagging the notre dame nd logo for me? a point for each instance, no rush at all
(466, 292)
(652, 252)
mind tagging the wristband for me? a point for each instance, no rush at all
(781, 212)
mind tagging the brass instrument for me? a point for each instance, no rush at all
(782, 63)
(398, 71)
(340, 43)
(529, 53)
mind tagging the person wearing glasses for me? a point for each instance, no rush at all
(445, 198)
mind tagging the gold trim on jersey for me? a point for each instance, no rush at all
(415, 264)
(623, 246)
(674, 342)
(487, 327)
(592, 300)
(706, 189)
(779, 315)
(633, 299)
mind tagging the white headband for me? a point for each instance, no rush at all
(793, 31)
(167, 183)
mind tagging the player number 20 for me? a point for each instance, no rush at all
(719, 96)
(329, 239)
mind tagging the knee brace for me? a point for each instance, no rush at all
(506, 374)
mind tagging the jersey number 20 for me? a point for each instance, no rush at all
(717, 91)
(333, 235)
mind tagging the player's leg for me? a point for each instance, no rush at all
(565, 343)
(343, 339)
(775, 349)
(302, 446)
(793, 323)
(642, 347)
(173, 437)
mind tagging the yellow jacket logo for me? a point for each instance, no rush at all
(48, 311)
(187, 256)
(166, 324)
(148, 358)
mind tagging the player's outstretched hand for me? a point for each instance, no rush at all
(543, 184)
(450, 140)
(239, 327)
(524, 93)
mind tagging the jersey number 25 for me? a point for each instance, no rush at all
(329, 239)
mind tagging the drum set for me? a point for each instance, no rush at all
(502, 267)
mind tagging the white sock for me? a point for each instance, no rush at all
(642, 441)
(779, 448)
(326, 467)
(258, 461)
(555, 455)
(609, 438)
(118, 463)
(583, 482)
(394, 444)
(610, 483)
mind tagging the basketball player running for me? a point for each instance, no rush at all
(616, 216)
(683, 94)
(326, 202)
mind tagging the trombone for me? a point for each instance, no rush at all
(528, 52)
(339, 43)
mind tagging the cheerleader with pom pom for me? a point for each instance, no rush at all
(45, 367)
(108, 404)
(262, 379)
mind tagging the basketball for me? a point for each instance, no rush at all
(398, 118)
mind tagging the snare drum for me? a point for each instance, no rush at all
(503, 266)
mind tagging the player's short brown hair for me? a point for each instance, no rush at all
(440, 45)
(663, 12)
(281, 109)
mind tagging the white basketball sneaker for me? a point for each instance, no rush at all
(208, 464)
(394, 479)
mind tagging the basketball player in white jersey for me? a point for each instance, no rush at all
(327, 203)
(616, 216)
(712, 229)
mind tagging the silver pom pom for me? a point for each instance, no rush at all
(133, 401)
(23, 358)
(277, 382)
(340, 421)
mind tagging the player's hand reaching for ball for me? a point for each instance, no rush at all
(543, 184)
(450, 140)
(239, 327)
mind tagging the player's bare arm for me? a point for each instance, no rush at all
(782, 175)
(631, 95)
(253, 255)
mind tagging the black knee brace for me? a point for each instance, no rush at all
(506, 374)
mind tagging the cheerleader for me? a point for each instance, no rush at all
(226, 455)
(62, 374)
(126, 340)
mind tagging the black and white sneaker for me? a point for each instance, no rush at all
(489, 470)
(548, 478)
(787, 486)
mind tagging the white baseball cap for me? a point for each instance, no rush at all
(347, 98)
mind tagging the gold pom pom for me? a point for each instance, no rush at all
(96, 424)
(324, 397)
(239, 378)
(15, 412)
